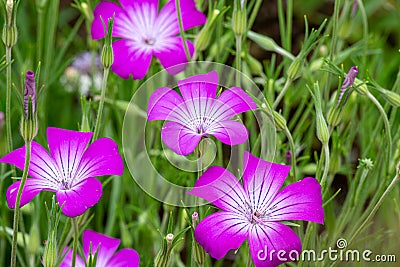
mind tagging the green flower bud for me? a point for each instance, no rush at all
(265, 42)
(163, 258)
(50, 251)
(391, 97)
(203, 38)
(86, 11)
(360, 87)
(10, 35)
(280, 121)
(198, 253)
(322, 129)
(255, 65)
(239, 21)
(107, 54)
(295, 68)
(334, 116)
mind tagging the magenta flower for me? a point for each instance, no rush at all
(254, 211)
(198, 113)
(145, 32)
(105, 247)
(68, 170)
(348, 81)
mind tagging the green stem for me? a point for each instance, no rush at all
(281, 94)
(181, 29)
(376, 207)
(17, 204)
(8, 105)
(238, 57)
(386, 122)
(292, 148)
(76, 237)
(101, 105)
(249, 262)
(326, 165)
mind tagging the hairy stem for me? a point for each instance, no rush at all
(17, 204)
(8, 105)
(76, 237)
(101, 105)
(281, 94)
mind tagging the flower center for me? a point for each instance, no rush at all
(149, 41)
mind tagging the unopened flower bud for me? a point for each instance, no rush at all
(198, 253)
(322, 129)
(203, 38)
(163, 258)
(265, 42)
(280, 121)
(392, 98)
(360, 87)
(334, 116)
(29, 122)
(348, 81)
(86, 11)
(107, 54)
(239, 21)
(295, 68)
(255, 65)
(10, 35)
(9, 9)
(195, 219)
(169, 237)
(29, 93)
(50, 251)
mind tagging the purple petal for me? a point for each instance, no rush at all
(31, 189)
(42, 166)
(237, 101)
(199, 86)
(221, 232)
(130, 60)
(67, 148)
(229, 132)
(299, 201)
(162, 102)
(105, 10)
(77, 200)
(179, 138)
(223, 189)
(130, 3)
(173, 55)
(108, 246)
(262, 180)
(125, 258)
(191, 17)
(101, 158)
(67, 261)
(267, 240)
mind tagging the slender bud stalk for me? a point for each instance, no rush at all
(29, 130)
(107, 58)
